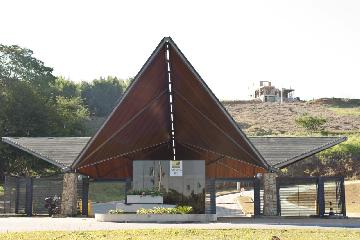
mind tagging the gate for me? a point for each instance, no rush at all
(233, 197)
(311, 196)
(26, 195)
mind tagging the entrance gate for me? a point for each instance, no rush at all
(311, 196)
(233, 197)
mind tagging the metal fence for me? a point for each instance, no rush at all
(297, 196)
(311, 196)
(26, 195)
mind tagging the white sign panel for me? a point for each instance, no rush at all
(176, 169)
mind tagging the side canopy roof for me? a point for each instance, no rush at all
(169, 112)
(280, 152)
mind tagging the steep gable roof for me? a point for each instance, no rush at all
(167, 111)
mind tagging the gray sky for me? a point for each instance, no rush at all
(312, 46)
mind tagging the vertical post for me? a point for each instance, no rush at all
(69, 195)
(5, 191)
(270, 194)
(127, 188)
(321, 197)
(257, 204)
(210, 196)
(278, 202)
(17, 195)
(29, 196)
(85, 196)
(342, 197)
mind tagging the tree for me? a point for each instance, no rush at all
(34, 103)
(18, 64)
(102, 94)
(66, 88)
(311, 123)
(72, 115)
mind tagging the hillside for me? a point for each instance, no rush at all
(256, 118)
(342, 118)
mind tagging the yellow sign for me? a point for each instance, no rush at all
(175, 168)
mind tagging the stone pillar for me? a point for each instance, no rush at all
(270, 194)
(69, 195)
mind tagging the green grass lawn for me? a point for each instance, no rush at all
(106, 191)
(353, 111)
(188, 234)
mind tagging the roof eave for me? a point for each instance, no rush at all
(310, 153)
(14, 144)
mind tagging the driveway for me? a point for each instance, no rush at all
(228, 206)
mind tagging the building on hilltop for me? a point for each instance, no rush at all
(268, 93)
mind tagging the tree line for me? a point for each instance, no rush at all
(34, 102)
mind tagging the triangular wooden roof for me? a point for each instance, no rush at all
(169, 111)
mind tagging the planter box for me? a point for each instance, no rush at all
(158, 218)
(131, 199)
(132, 208)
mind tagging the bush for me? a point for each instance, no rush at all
(145, 192)
(311, 123)
(195, 200)
(184, 209)
(116, 211)
(162, 210)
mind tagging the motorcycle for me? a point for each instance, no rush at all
(52, 204)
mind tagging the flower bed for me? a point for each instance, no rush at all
(158, 218)
(156, 214)
(161, 210)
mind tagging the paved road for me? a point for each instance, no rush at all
(23, 224)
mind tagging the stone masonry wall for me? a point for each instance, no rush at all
(270, 197)
(69, 195)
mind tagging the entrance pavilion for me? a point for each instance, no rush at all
(169, 113)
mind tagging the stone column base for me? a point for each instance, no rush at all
(270, 194)
(69, 195)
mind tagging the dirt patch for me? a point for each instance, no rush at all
(247, 205)
(352, 195)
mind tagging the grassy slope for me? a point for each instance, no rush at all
(275, 119)
(190, 234)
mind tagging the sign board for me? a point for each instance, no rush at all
(176, 169)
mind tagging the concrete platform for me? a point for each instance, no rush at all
(157, 218)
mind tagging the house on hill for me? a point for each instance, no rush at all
(268, 93)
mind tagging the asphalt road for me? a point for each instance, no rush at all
(25, 224)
